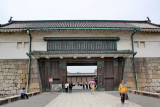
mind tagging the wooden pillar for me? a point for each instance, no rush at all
(63, 71)
(100, 75)
(116, 74)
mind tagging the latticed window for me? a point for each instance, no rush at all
(82, 44)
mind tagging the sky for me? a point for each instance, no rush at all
(80, 10)
(81, 69)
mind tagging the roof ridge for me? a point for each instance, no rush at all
(80, 20)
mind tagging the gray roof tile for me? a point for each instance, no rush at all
(79, 24)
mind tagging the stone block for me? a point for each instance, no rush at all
(149, 72)
(35, 80)
(10, 81)
(10, 88)
(22, 66)
(148, 76)
(19, 71)
(19, 81)
(13, 77)
(2, 92)
(152, 84)
(148, 81)
(12, 85)
(8, 77)
(130, 75)
(25, 62)
(1, 81)
(34, 75)
(157, 84)
(7, 92)
(13, 92)
(131, 79)
(22, 85)
(1, 77)
(18, 86)
(6, 81)
(24, 81)
(146, 89)
(141, 80)
(155, 68)
(22, 76)
(141, 84)
(142, 75)
(25, 71)
(15, 81)
(154, 80)
(34, 70)
(6, 89)
(18, 77)
(34, 85)
(155, 76)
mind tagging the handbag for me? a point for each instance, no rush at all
(127, 98)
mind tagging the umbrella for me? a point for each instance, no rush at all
(91, 82)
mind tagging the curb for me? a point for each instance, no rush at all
(16, 97)
(145, 93)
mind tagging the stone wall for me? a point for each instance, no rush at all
(13, 76)
(35, 81)
(148, 72)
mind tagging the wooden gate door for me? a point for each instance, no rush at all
(51, 69)
(108, 76)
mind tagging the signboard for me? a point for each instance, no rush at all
(56, 87)
(50, 79)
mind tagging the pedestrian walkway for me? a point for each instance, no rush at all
(85, 99)
(36, 101)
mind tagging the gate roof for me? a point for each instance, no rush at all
(79, 24)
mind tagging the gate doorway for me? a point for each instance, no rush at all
(81, 75)
(109, 71)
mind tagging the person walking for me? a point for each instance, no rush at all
(70, 87)
(83, 85)
(66, 86)
(122, 91)
(23, 94)
(92, 88)
(86, 85)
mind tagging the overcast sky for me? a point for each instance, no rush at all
(79, 9)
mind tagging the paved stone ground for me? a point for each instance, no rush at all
(144, 101)
(83, 98)
(36, 101)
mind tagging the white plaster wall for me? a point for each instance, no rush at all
(9, 50)
(152, 44)
(8, 45)
(151, 49)
(123, 44)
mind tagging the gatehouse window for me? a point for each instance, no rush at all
(82, 44)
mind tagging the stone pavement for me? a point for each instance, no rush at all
(85, 99)
(36, 101)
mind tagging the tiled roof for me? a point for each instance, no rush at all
(81, 52)
(73, 24)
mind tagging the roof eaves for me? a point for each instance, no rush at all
(80, 20)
